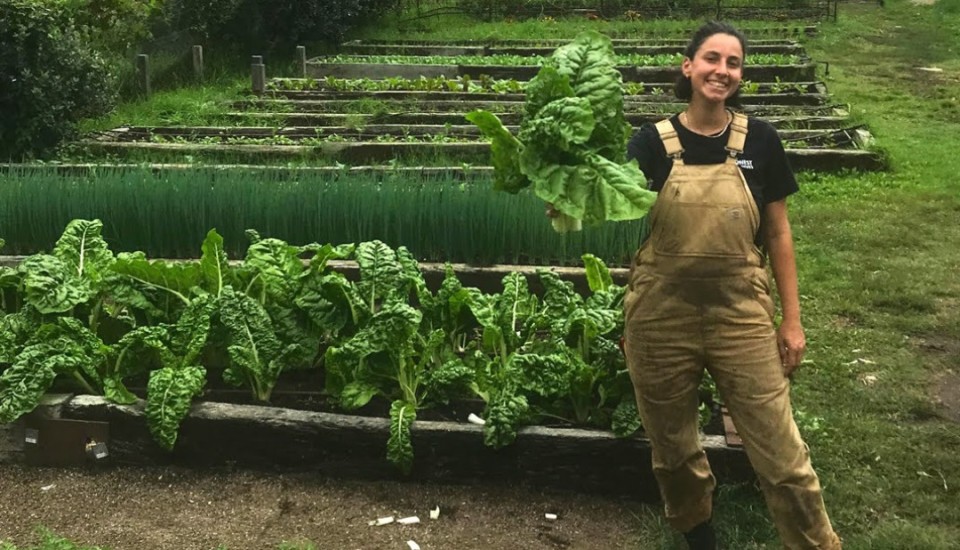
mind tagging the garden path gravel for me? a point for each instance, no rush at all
(146, 508)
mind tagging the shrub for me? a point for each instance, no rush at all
(272, 23)
(49, 78)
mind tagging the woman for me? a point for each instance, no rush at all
(699, 298)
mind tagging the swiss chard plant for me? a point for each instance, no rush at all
(400, 352)
(64, 299)
(571, 144)
(557, 357)
(180, 378)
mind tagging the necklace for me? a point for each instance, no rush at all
(685, 120)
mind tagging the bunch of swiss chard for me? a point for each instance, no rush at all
(84, 316)
(572, 141)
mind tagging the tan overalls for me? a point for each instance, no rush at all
(699, 297)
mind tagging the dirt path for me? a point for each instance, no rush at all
(171, 508)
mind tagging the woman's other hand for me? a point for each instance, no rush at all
(792, 344)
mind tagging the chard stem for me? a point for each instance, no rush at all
(83, 383)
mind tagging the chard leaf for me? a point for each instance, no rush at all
(170, 392)
(612, 298)
(115, 391)
(598, 275)
(626, 420)
(548, 85)
(15, 332)
(123, 296)
(516, 305)
(589, 62)
(24, 383)
(130, 359)
(256, 354)
(66, 347)
(277, 265)
(504, 415)
(448, 381)
(51, 286)
(189, 335)
(367, 356)
(214, 268)
(546, 375)
(79, 341)
(356, 394)
(9, 277)
(590, 323)
(564, 123)
(572, 141)
(412, 275)
(380, 272)
(327, 252)
(597, 190)
(175, 278)
(400, 446)
(331, 302)
(560, 296)
(387, 330)
(505, 152)
(83, 250)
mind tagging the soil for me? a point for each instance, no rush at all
(948, 396)
(144, 508)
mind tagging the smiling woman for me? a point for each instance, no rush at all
(699, 298)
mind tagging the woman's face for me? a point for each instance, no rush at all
(716, 69)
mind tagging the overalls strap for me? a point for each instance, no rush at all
(738, 134)
(670, 139)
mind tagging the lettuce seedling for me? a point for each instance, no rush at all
(572, 142)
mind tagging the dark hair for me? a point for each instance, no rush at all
(683, 88)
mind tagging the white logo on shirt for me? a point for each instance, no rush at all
(746, 164)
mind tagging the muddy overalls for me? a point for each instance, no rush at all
(699, 297)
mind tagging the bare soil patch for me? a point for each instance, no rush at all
(146, 508)
(948, 396)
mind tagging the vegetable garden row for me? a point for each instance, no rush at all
(84, 319)
(404, 103)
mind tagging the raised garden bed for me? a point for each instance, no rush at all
(620, 47)
(637, 119)
(465, 85)
(384, 107)
(317, 69)
(790, 98)
(360, 152)
(388, 133)
(247, 436)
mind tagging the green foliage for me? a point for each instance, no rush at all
(386, 335)
(50, 541)
(174, 389)
(51, 78)
(400, 446)
(517, 60)
(115, 25)
(64, 348)
(257, 23)
(571, 143)
(256, 354)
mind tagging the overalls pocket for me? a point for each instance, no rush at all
(760, 282)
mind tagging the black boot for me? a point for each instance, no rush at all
(702, 537)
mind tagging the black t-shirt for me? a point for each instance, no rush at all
(763, 162)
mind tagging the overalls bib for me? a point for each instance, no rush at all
(699, 298)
